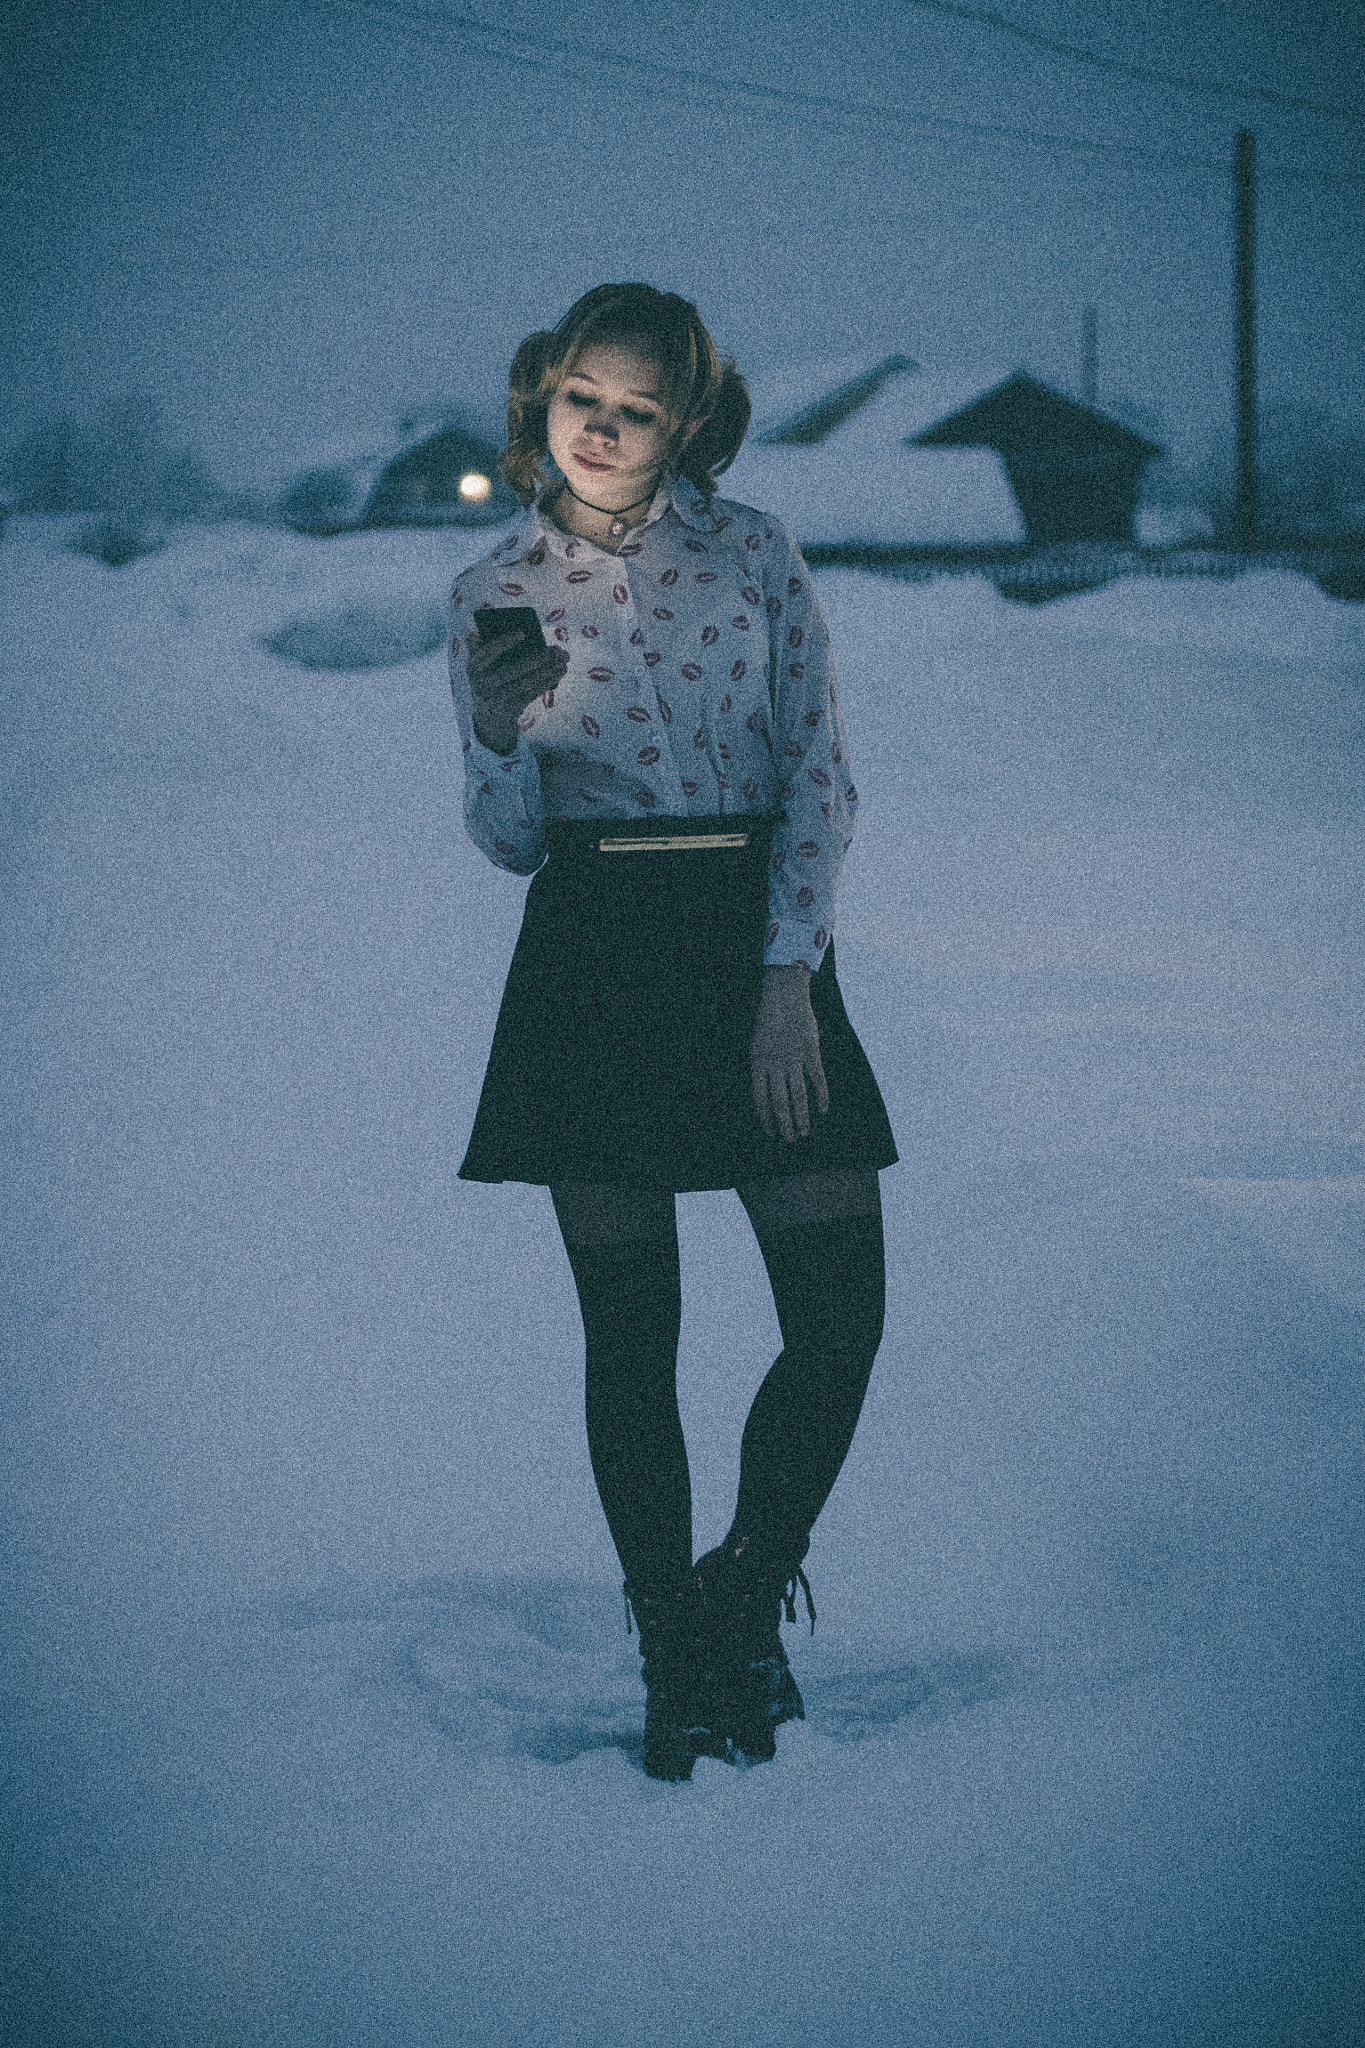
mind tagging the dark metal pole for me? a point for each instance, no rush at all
(1244, 174)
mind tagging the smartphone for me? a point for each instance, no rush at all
(495, 622)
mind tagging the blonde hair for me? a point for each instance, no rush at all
(671, 333)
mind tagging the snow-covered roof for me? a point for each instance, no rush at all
(904, 398)
(781, 400)
(336, 488)
(363, 450)
(861, 483)
(792, 390)
(857, 488)
(367, 451)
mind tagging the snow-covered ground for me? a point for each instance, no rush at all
(322, 1720)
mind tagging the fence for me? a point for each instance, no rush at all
(1033, 575)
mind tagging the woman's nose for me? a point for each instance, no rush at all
(603, 427)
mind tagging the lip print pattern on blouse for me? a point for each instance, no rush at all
(579, 751)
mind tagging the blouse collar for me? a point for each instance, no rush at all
(536, 533)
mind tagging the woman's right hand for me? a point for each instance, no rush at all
(504, 677)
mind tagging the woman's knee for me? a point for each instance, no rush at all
(829, 1287)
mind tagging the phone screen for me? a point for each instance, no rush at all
(495, 622)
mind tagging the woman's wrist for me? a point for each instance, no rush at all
(496, 741)
(784, 986)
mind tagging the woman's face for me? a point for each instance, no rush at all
(607, 427)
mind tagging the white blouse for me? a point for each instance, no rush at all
(699, 685)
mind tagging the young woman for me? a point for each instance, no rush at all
(667, 731)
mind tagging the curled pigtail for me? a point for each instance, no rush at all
(530, 385)
(717, 441)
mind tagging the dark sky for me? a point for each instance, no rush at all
(291, 218)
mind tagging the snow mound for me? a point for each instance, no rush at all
(377, 633)
(117, 542)
(532, 1668)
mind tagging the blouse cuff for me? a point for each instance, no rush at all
(503, 805)
(788, 943)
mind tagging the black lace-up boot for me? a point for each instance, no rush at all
(744, 1587)
(679, 1719)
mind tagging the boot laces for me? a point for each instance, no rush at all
(795, 1579)
(787, 1596)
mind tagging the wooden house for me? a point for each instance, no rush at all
(445, 477)
(892, 460)
(1074, 471)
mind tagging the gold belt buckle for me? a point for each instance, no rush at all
(674, 842)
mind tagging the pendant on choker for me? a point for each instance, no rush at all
(617, 528)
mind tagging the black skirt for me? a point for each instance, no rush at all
(621, 1052)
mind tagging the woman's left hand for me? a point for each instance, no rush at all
(785, 1054)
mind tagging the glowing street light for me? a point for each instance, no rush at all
(474, 487)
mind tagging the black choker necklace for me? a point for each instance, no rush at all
(612, 512)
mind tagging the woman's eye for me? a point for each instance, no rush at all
(583, 402)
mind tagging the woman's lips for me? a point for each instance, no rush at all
(588, 462)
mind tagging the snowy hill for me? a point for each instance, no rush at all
(322, 1721)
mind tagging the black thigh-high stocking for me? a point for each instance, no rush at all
(828, 1276)
(623, 1249)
